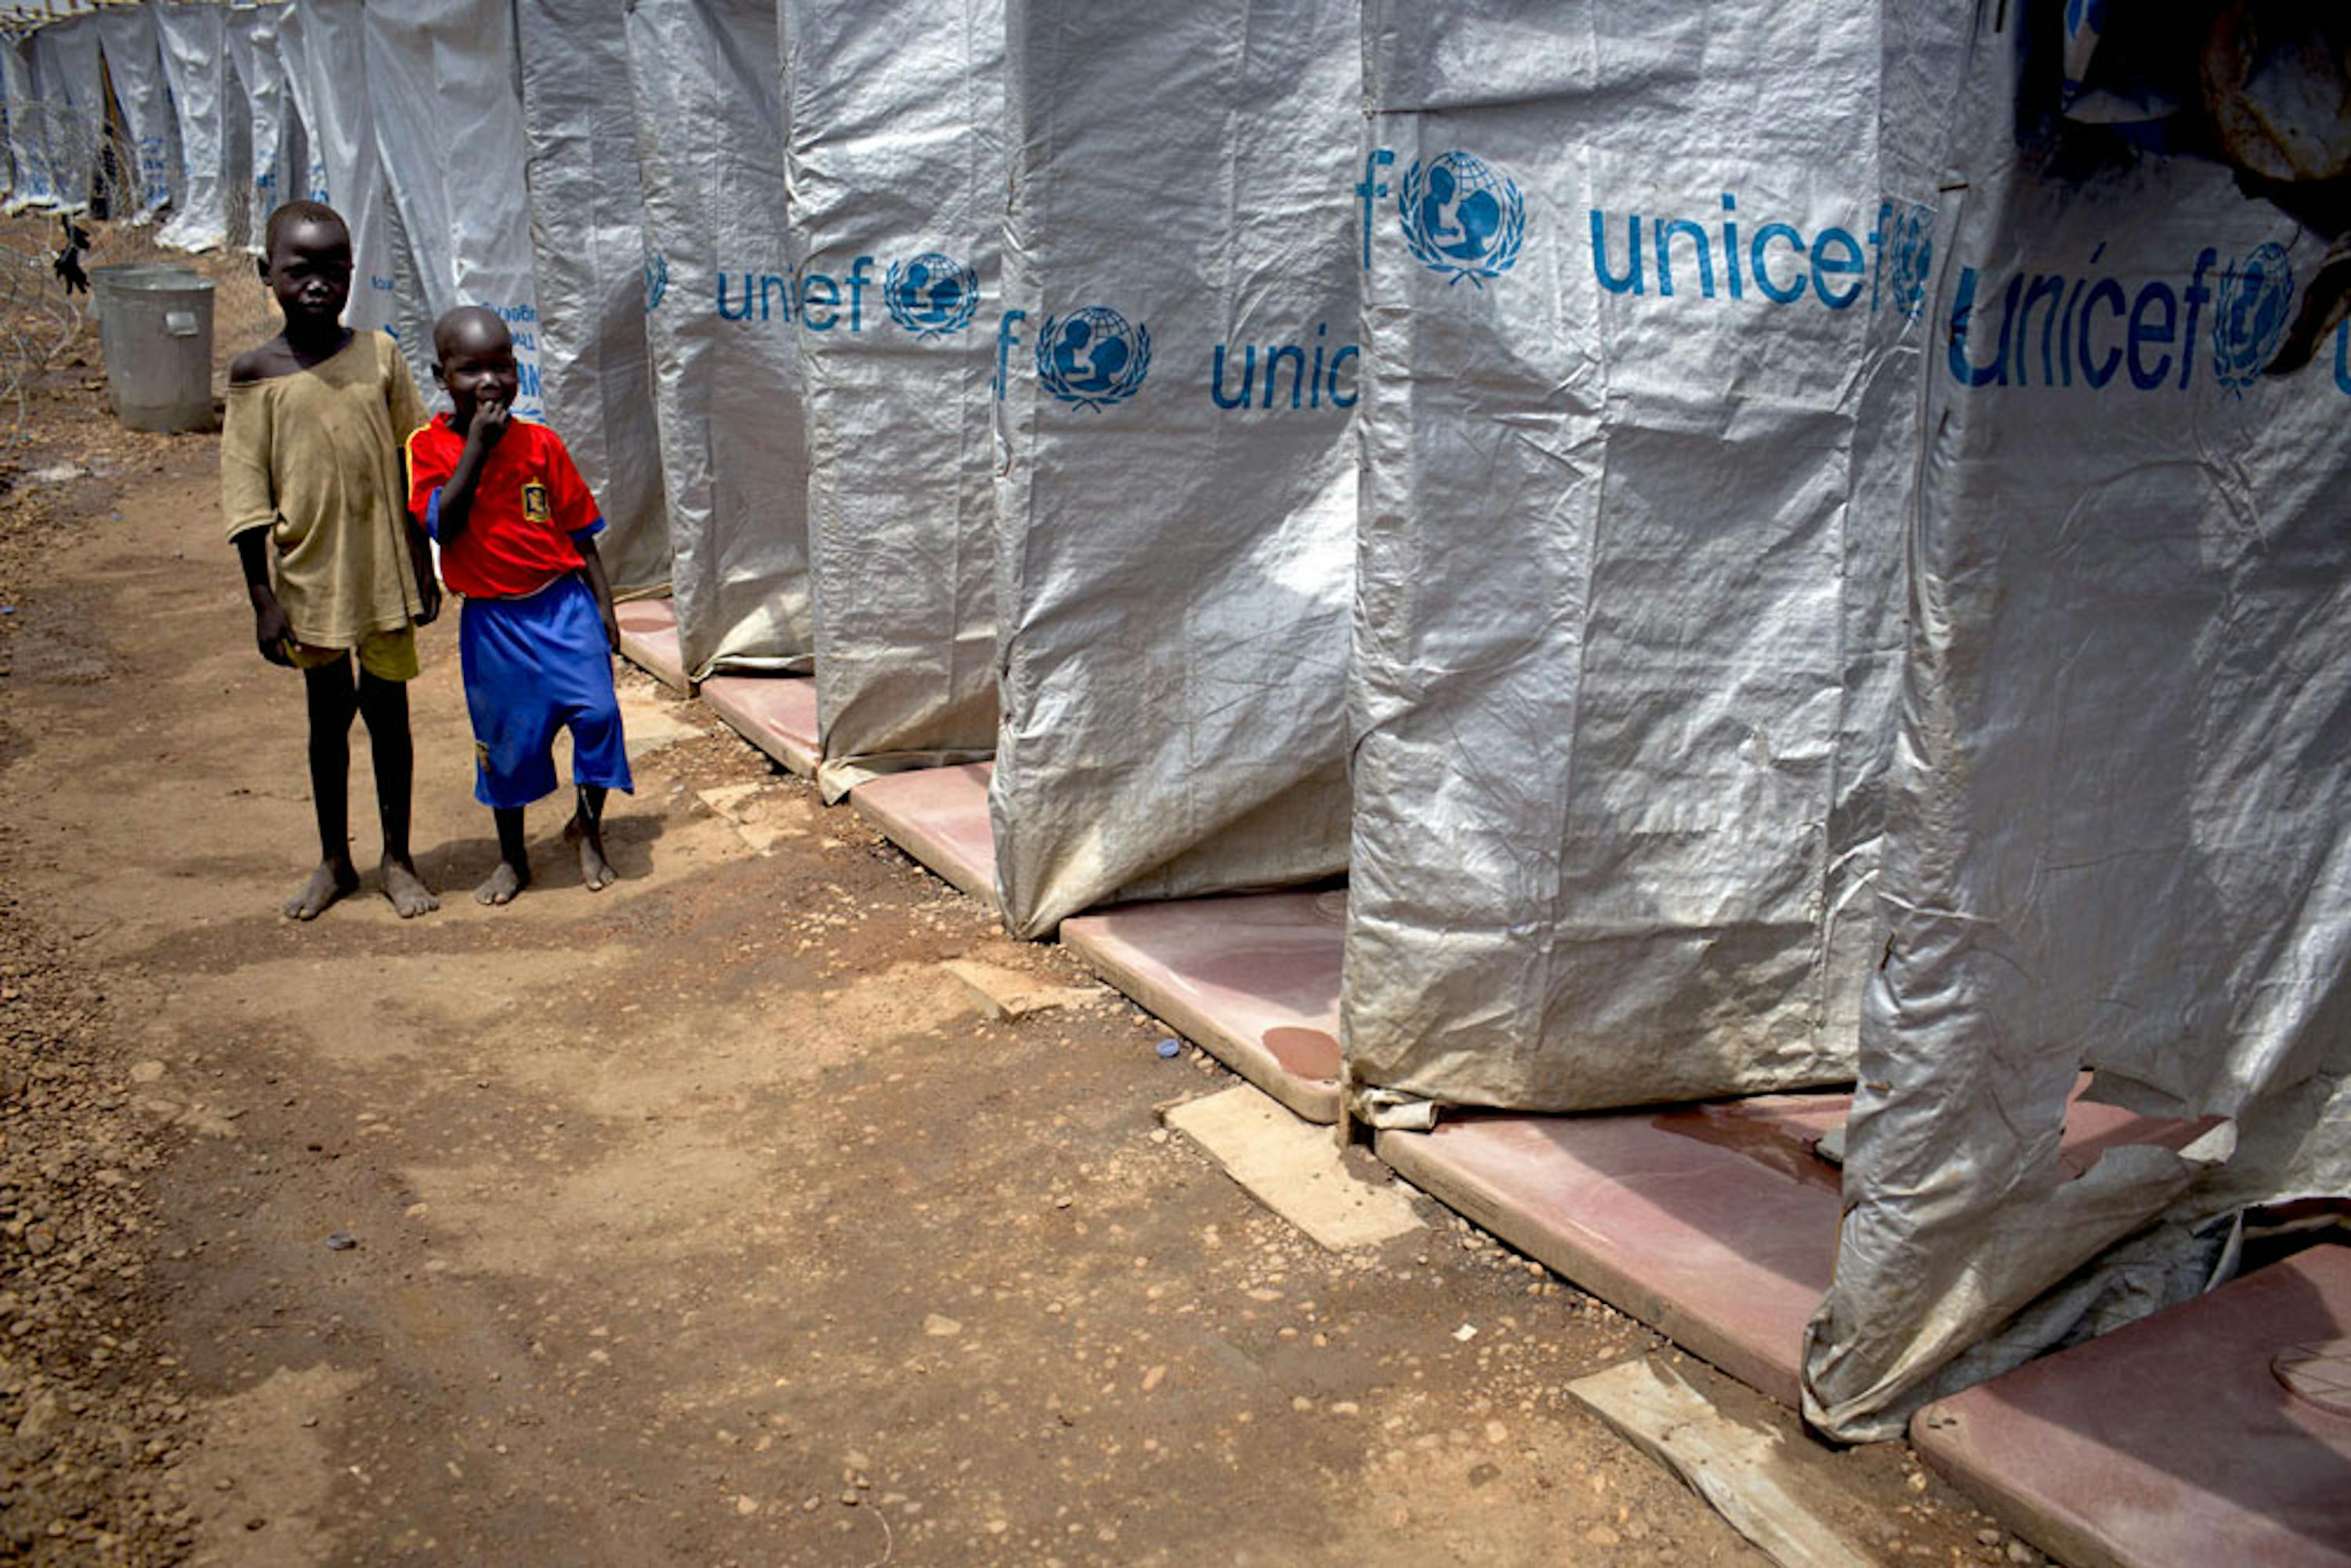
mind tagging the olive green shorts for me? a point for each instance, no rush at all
(386, 655)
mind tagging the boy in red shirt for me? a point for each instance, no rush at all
(516, 527)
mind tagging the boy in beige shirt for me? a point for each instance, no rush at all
(310, 483)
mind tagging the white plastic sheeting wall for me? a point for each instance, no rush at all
(253, 51)
(326, 38)
(308, 178)
(194, 39)
(447, 117)
(704, 75)
(134, 63)
(1623, 653)
(1175, 535)
(896, 170)
(587, 227)
(31, 184)
(74, 104)
(2116, 840)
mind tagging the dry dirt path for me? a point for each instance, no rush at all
(705, 1220)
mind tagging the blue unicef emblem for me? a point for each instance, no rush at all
(2256, 302)
(1462, 218)
(1910, 242)
(656, 281)
(1092, 357)
(932, 295)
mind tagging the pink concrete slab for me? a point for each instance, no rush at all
(2171, 1441)
(775, 713)
(939, 816)
(649, 641)
(1254, 979)
(1715, 1224)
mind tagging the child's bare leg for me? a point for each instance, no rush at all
(586, 833)
(514, 859)
(332, 702)
(384, 705)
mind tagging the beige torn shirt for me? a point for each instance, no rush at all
(314, 457)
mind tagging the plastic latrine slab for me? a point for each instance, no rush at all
(2172, 1441)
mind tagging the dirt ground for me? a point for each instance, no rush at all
(704, 1220)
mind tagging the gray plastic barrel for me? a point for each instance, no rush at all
(155, 327)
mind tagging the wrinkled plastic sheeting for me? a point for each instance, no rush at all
(76, 104)
(307, 174)
(253, 51)
(1175, 546)
(2115, 838)
(194, 37)
(448, 126)
(1624, 640)
(328, 39)
(706, 79)
(588, 240)
(896, 165)
(134, 62)
(31, 183)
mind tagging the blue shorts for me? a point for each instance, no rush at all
(534, 667)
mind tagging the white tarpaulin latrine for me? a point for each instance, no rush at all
(308, 177)
(586, 225)
(448, 121)
(1625, 642)
(1175, 534)
(253, 51)
(194, 39)
(328, 39)
(706, 75)
(31, 183)
(896, 169)
(134, 62)
(2115, 838)
(74, 104)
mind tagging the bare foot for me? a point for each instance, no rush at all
(596, 873)
(505, 882)
(405, 889)
(333, 879)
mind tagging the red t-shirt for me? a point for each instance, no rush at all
(529, 505)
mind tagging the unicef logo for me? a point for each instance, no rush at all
(1462, 218)
(2255, 301)
(656, 281)
(1093, 358)
(932, 295)
(1910, 240)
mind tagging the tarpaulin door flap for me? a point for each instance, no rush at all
(2114, 836)
(1175, 530)
(195, 63)
(448, 121)
(896, 170)
(329, 37)
(1621, 681)
(594, 282)
(302, 111)
(30, 183)
(75, 110)
(253, 49)
(726, 382)
(134, 62)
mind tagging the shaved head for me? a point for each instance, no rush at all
(469, 331)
